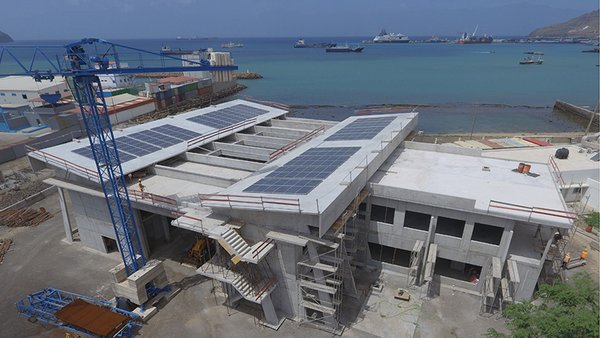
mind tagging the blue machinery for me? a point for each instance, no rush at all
(81, 64)
(44, 304)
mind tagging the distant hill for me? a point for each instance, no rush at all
(585, 25)
(5, 37)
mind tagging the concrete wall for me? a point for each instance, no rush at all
(92, 219)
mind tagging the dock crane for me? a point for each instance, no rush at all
(80, 63)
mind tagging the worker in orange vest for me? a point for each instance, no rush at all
(584, 253)
(566, 260)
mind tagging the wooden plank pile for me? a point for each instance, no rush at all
(4, 246)
(23, 217)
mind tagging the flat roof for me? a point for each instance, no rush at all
(367, 151)
(79, 164)
(479, 179)
(579, 158)
(26, 83)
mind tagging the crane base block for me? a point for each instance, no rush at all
(134, 286)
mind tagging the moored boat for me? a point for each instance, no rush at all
(531, 61)
(302, 44)
(344, 49)
(465, 38)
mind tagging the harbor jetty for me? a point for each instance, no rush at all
(247, 75)
(587, 116)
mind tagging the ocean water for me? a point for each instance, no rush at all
(465, 83)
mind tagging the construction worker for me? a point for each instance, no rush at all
(566, 260)
(584, 253)
(141, 186)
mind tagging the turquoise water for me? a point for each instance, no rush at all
(460, 80)
(420, 73)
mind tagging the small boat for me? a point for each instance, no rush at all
(232, 45)
(595, 50)
(302, 44)
(436, 39)
(535, 52)
(530, 61)
(344, 49)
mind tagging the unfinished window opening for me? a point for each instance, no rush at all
(382, 214)
(487, 233)
(110, 244)
(416, 220)
(450, 227)
(390, 255)
(457, 270)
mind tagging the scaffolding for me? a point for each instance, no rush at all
(490, 293)
(416, 255)
(325, 274)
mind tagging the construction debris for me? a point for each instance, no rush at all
(23, 217)
(4, 246)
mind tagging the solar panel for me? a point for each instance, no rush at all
(176, 132)
(154, 138)
(135, 147)
(87, 152)
(305, 172)
(361, 129)
(228, 116)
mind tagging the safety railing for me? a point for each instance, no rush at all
(154, 199)
(295, 143)
(262, 201)
(266, 287)
(261, 247)
(532, 210)
(219, 132)
(61, 162)
(556, 171)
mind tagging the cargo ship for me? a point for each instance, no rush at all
(473, 39)
(302, 44)
(385, 37)
(232, 45)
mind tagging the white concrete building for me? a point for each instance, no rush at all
(21, 89)
(299, 211)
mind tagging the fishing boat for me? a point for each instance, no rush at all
(531, 61)
(232, 45)
(344, 49)
(385, 37)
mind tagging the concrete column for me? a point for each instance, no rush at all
(269, 310)
(141, 232)
(166, 227)
(467, 235)
(65, 215)
(505, 243)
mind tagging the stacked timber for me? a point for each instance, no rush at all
(23, 217)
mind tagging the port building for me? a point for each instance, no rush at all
(296, 211)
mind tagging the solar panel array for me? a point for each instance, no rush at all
(87, 152)
(361, 129)
(228, 116)
(155, 138)
(176, 132)
(305, 172)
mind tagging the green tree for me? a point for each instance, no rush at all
(565, 310)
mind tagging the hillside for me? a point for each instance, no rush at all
(585, 25)
(5, 37)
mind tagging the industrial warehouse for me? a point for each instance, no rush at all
(293, 215)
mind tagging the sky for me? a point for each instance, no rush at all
(74, 19)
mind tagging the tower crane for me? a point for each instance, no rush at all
(80, 63)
